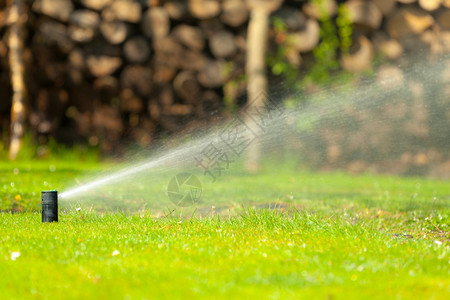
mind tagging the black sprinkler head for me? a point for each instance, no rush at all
(50, 206)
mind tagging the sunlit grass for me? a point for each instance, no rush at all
(333, 236)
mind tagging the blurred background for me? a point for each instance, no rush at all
(101, 77)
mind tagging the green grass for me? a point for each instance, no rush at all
(334, 236)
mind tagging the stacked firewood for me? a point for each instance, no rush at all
(5, 92)
(109, 70)
(128, 68)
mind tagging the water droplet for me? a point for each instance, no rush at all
(15, 255)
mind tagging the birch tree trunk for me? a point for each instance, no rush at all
(256, 76)
(16, 19)
(257, 36)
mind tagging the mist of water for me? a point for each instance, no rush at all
(282, 129)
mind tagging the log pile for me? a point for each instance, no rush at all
(126, 69)
(112, 70)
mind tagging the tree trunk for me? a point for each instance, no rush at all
(17, 18)
(257, 81)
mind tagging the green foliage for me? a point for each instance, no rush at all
(326, 52)
(345, 28)
(230, 89)
(278, 61)
(335, 38)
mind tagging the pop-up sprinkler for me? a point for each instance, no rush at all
(50, 206)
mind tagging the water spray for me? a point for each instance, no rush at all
(49, 206)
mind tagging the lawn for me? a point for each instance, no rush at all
(283, 234)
